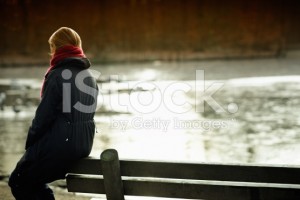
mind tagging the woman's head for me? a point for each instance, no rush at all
(62, 37)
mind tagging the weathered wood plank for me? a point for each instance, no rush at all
(210, 190)
(85, 184)
(198, 171)
(204, 171)
(87, 166)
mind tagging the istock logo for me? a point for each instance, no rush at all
(81, 86)
(204, 94)
(145, 96)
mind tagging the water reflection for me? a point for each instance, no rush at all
(265, 129)
(13, 132)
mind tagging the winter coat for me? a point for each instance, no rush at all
(63, 128)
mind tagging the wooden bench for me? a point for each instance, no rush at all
(115, 178)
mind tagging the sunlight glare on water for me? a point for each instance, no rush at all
(264, 128)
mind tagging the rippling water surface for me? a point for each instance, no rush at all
(261, 122)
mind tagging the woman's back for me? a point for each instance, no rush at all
(63, 128)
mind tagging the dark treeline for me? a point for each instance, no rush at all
(132, 30)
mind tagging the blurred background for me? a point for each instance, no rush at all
(252, 47)
(143, 30)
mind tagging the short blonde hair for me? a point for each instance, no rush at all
(62, 37)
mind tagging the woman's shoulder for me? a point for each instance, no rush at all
(74, 62)
(64, 69)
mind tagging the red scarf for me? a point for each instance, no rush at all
(60, 54)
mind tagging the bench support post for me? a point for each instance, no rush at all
(112, 176)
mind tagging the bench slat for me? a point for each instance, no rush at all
(84, 184)
(87, 166)
(210, 190)
(198, 171)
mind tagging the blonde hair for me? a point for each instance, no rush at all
(62, 37)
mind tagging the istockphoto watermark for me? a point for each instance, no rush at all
(146, 101)
(165, 125)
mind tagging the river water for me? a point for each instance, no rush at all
(154, 111)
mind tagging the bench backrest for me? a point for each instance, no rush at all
(183, 180)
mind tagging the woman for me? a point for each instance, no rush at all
(62, 130)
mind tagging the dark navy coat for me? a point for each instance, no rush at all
(61, 135)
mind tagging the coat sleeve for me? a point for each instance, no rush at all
(46, 112)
